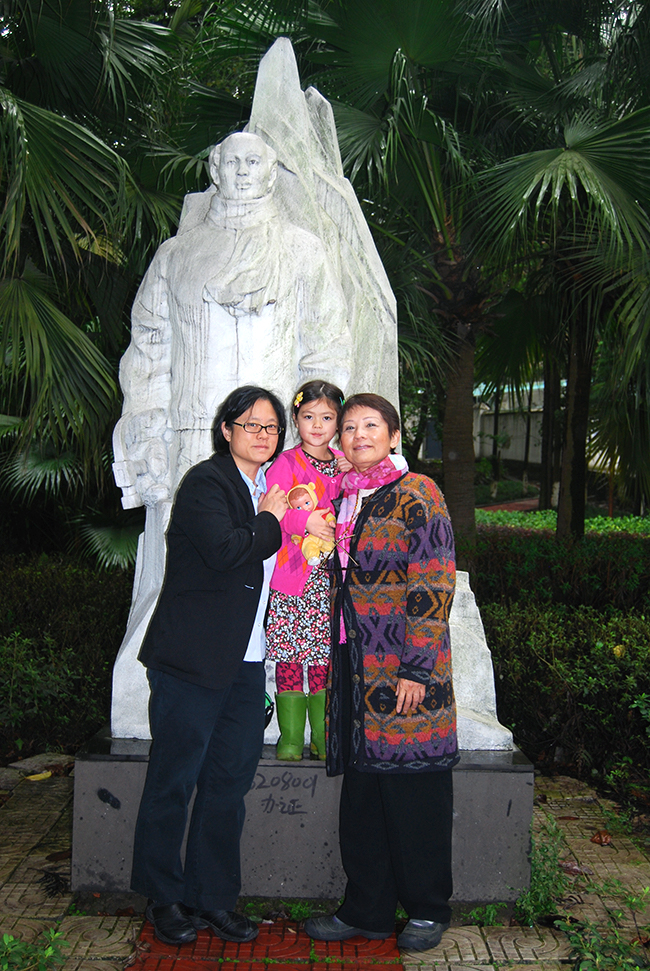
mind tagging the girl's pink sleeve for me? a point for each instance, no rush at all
(280, 473)
(294, 522)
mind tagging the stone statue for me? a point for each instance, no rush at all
(272, 278)
(237, 297)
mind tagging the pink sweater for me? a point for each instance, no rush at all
(292, 468)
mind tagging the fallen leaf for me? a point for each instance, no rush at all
(54, 883)
(568, 817)
(139, 948)
(39, 775)
(59, 768)
(602, 837)
(574, 869)
(61, 855)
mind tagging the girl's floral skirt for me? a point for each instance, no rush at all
(298, 628)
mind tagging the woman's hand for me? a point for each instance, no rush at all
(410, 694)
(275, 501)
(342, 463)
(317, 526)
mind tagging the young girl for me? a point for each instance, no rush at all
(297, 631)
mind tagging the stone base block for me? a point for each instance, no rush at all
(290, 840)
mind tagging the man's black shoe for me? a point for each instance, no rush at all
(171, 923)
(225, 924)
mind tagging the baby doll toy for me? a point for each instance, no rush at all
(314, 550)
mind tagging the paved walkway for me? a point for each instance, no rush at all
(35, 823)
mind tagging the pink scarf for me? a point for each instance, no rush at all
(389, 469)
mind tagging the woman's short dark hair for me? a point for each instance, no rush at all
(377, 403)
(314, 391)
(239, 401)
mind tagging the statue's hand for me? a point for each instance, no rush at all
(126, 473)
(144, 480)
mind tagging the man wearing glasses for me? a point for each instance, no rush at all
(204, 654)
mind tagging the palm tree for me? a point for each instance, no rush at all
(384, 66)
(619, 433)
(532, 103)
(578, 205)
(75, 97)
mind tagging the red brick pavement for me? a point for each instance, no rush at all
(282, 942)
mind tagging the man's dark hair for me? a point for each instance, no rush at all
(236, 404)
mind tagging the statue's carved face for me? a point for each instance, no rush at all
(247, 168)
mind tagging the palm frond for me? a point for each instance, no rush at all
(41, 469)
(132, 51)
(58, 175)
(592, 185)
(67, 385)
(9, 424)
(113, 546)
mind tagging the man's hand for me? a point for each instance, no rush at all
(410, 694)
(317, 526)
(274, 501)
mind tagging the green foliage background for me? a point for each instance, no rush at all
(61, 624)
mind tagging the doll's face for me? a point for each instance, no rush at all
(302, 500)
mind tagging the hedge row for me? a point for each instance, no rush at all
(566, 627)
(573, 684)
(601, 570)
(61, 625)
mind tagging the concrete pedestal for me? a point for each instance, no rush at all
(290, 841)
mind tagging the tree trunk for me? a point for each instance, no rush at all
(413, 445)
(496, 469)
(573, 479)
(458, 454)
(529, 418)
(549, 434)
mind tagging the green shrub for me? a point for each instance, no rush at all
(42, 955)
(548, 883)
(506, 491)
(601, 570)
(60, 628)
(547, 519)
(572, 684)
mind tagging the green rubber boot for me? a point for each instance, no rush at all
(291, 707)
(316, 707)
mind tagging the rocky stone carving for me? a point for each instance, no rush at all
(272, 278)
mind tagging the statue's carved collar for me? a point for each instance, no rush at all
(236, 214)
(251, 278)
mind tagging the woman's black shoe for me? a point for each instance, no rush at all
(225, 924)
(171, 923)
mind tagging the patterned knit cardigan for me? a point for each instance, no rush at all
(396, 599)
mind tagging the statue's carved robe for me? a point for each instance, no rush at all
(243, 297)
(238, 296)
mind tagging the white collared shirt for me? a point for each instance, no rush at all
(256, 650)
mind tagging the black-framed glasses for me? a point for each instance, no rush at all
(254, 427)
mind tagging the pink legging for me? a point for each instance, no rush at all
(289, 676)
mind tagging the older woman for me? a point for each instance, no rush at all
(392, 721)
(204, 653)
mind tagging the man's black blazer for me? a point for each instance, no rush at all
(213, 579)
